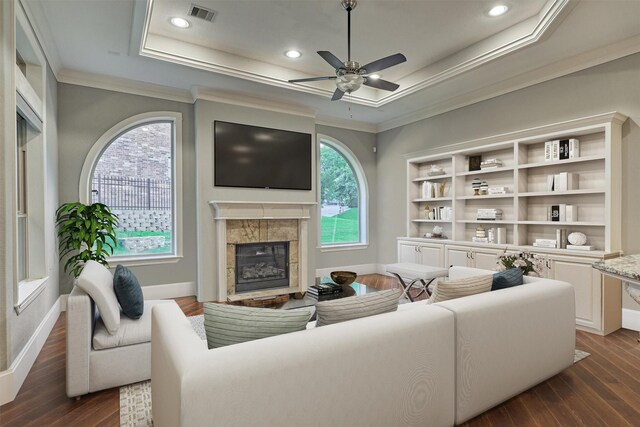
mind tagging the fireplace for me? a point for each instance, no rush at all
(262, 265)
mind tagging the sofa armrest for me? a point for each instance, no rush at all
(80, 322)
(509, 340)
(174, 344)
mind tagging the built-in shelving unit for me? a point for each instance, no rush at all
(525, 174)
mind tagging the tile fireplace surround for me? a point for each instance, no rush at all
(256, 222)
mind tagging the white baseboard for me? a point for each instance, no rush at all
(11, 380)
(171, 290)
(360, 269)
(631, 319)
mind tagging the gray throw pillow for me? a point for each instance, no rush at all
(507, 279)
(97, 281)
(231, 324)
(340, 310)
(451, 289)
(128, 292)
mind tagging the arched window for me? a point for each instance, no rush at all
(343, 196)
(133, 170)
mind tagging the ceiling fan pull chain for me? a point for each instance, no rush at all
(349, 34)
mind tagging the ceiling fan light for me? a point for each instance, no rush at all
(498, 10)
(349, 82)
(374, 76)
(293, 54)
(176, 21)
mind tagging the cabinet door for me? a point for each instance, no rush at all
(485, 259)
(407, 252)
(586, 283)
(456, 256)
(431, 255)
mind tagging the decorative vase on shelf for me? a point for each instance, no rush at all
(475, 185)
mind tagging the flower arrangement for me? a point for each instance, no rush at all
(530, 264)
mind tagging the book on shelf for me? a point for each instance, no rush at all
(545, 245)
(497, 190)
(561, 238)
(480, 239)
(580, 247)
(571, 213)
(564, 181)
(561, 149)
(562, 213)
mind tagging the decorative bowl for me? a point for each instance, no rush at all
(343, 277)
(577, 238)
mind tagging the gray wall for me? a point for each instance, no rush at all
(206, 113)
(361, 144)
(614, 86)
(84, 115)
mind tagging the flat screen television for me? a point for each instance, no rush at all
(256, 157)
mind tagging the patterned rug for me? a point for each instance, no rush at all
(135, 399)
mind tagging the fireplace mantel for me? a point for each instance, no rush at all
(261, 210)
(262, 213)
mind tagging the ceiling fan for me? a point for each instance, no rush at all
(350, 75)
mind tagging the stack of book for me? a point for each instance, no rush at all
(325, 291)
(545, 243)
(562, 213)
(497, 190)
(442, 213)
(490, 164)
(562, 181)
(489, 214)
(561, 149)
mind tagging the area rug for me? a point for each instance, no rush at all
(135, 399)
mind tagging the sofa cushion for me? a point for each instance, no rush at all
(97, 281)
(230, 324)
(507, 279)
(451, 289)
(128, 292)
(340, 310)
(130, 331)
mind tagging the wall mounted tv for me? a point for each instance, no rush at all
(257, 157)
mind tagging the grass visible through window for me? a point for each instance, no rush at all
(341, 228)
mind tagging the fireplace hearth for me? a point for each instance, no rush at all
(261, 266)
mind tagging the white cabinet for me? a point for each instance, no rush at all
(420, 253)
(471, 257)
(598, 299)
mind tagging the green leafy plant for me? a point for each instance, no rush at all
(87, 230)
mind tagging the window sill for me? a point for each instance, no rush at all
(28, 291)
(345, 247)
(136, 261)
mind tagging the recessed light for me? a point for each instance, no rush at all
(498, 10)
(293, 54)
(180, 22)
(374, 76)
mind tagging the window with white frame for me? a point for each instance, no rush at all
(134, 172)
(343, 196)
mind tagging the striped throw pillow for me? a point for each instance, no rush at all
(340, 310)
(230, 324)
(451, 289)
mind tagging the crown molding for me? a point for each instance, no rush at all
(117, 84)
(548, 21)
(43, 34)
(347, 124)
(527, 33)
(200, 93)
(561, 68)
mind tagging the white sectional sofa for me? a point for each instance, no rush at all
(436, 365)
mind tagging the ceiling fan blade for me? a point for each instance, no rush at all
(331, 59)
(312, 79)
(381, 84)
(383, 63)
(337, 95)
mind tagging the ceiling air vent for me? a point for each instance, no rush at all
(202, 12)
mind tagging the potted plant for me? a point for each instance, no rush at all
(87, 230)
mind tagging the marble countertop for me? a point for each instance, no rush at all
(626, 267)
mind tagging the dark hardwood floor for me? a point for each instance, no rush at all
(601, 390)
